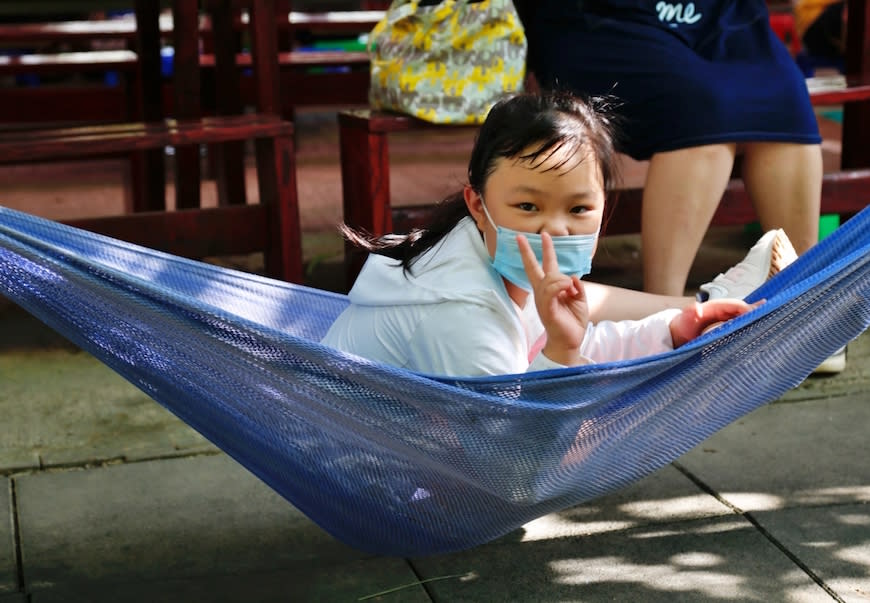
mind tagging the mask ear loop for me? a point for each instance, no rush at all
(488, 217)
(486, 211)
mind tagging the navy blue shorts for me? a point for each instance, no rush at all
(683, 74)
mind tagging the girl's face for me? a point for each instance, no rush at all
(560, 195)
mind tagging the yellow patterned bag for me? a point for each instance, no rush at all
(447, 63)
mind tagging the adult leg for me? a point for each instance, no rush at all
(682, 190)
(784, 181)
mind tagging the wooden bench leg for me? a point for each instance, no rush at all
(276, 176)
(149, 176)
(186, 101)
(365, 182)
(856, 116)
(855, 153)
(134, 179)
(227, 160)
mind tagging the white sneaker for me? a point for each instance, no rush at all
(771, 254)
(835, 363)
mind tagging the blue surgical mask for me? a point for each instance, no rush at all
(573, 253)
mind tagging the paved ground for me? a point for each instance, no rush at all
(108, 497)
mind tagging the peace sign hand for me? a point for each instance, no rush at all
(560, 300)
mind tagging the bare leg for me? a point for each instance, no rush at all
(607, 302)
(682, 190)
(784, 182)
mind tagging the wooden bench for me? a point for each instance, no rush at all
(271, 226)
(307, 77)
(98, 102)
(365, 176)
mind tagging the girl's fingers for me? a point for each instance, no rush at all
(581, 292)
(530, 262)
(723, 309)
(548, 253)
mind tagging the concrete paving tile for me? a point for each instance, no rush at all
(64, 407)
(160, 520)
(782, 455)
(834, 542)
(717, 559)
(8, 567)
(665, 496)
(13, 459)
(350, 581)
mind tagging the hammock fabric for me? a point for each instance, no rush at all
(401, 463)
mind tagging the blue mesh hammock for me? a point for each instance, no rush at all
(396, 462)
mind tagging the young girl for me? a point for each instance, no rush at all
(492, 286)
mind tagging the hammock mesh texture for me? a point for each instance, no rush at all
(396, 462)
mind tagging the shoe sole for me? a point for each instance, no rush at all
(782, 254)
(835, 363)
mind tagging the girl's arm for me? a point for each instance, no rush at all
(607, 302)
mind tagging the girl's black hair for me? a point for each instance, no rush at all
(541, 122)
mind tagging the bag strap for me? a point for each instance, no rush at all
(401, 9)
(397, 3)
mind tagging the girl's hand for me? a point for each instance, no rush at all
(561, 302)
(698, 317)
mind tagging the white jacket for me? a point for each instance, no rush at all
(451, 315)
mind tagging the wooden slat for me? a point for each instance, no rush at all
(385, 122)
(350, 21)
(62, 143)
(335, 21)
(16, 8)
(853, 88)
(80, 103)
(71, 31)
(315, 58)
(64, 62)
(194, 233)
(68, 31)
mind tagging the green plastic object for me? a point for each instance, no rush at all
(349, 45)
(828, 223)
